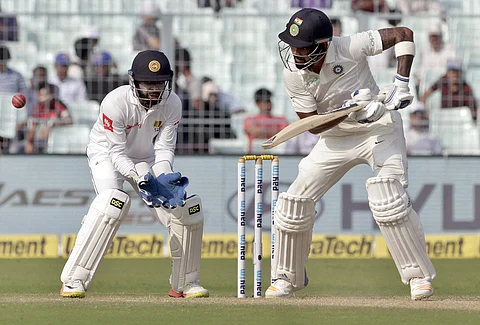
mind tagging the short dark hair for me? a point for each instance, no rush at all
(182, 54)
(39, 67)
(262, 95)
(336, 21)
(4, 53)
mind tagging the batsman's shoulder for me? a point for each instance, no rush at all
(291, 76)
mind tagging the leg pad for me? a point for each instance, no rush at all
(401, 228)
(294, 217)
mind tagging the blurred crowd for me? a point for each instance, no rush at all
(79, 78)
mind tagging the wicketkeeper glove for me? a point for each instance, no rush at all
(373, 110)
(149, 191)
(397, 95)
(172, 187)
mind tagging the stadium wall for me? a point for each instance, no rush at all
(43, 200)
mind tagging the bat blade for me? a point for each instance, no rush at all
(308, 123)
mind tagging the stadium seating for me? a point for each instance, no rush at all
(85, 112)
(236, 47)
(456, 129)
(68, 139)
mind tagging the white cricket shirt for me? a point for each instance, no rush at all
(127, 133)
(345, 70)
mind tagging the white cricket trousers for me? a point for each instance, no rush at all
(382, 146)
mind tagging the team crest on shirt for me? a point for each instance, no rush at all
(157, 125)
(107, 123)
(338, 69)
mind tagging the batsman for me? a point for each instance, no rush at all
(322, 73)
(134, 140)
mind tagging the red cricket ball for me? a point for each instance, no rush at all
(19, 101)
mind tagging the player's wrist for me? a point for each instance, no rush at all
(401, 81)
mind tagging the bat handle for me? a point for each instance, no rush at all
(381, 97)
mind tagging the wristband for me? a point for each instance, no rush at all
(404, 48)
(401, 81)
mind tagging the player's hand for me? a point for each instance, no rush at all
(373, 110)
(172, 186)
(371, 113)
(149, 191)
(362, 97)
(397, 95)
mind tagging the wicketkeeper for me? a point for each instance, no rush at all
(134, 140)
(320, 73)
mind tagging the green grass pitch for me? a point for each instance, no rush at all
(134, 291)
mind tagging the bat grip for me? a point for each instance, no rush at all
(381, 97)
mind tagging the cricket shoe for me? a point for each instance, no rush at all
(280, 289)
(420, 288)
(73, 289)
(191, 290)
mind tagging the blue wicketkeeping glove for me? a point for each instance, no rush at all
(172, 187)
(149, 191)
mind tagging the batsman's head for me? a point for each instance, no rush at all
(151, 77)
(306, 38)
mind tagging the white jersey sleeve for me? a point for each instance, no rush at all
(166, 140)
(114, 115)
(302, 100)
(362, 44)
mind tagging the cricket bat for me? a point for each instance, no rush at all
(308, 123)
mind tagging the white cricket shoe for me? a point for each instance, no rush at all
(420, 288)
(191, 290)
(73, 289)
(280, 289)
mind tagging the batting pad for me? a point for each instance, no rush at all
(185, 240)
(98, 229)
(401, 228)
(294, 217)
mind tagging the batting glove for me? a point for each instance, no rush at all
(397, 95)
(372, 110)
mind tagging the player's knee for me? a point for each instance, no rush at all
(387, 199)
(111, 203)
(191, 213)
(294, 213)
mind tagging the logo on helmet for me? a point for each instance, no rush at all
(294, 30)
(154, 66)
(298, 21)
(295, 27)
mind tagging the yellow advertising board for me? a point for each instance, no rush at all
(440, 246)
(28, 246)
(126, 246)
(342, 246)
(225, 246)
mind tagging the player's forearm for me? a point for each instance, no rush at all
(404, 65)
(392, 36)
(402, 39)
